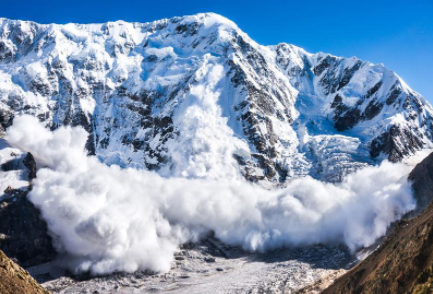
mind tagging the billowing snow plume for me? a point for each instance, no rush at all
(206, 144)
(112, 219)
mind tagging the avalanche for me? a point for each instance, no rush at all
(108, 219)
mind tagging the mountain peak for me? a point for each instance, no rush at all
(281, 111)
(208, 18)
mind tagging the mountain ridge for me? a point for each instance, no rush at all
(280, 111)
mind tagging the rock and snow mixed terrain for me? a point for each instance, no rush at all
(212, 267)
(183, 95)
(13, 174)
(199, 110)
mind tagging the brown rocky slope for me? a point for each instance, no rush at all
(15, 280)
(404, 262)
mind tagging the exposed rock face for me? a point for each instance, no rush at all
(129, 85)
(403, 264)
(396, 142)
(30, 163)
(15, 280)
(23, 234)
(422, 178)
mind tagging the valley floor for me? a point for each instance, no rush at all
(212, 267)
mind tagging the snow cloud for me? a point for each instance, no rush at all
(111, 219)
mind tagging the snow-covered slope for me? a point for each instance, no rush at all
(196, 97)
(373, 111)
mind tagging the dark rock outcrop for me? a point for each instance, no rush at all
(23, 233)
(422, 183)
(30, 163)
(396, 143)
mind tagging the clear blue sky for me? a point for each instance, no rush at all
(397, 33)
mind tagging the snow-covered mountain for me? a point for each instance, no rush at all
(194, 96)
